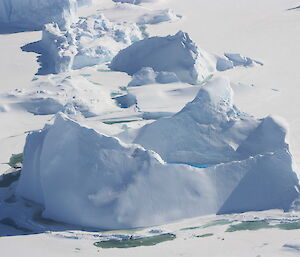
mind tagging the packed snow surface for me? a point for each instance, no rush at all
(177, 54)
(32, 15)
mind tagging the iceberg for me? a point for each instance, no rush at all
(91, 41)
(33, 15)
(83, 177)
(211, 130)
(177, 54)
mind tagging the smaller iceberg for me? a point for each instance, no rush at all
(177, 54)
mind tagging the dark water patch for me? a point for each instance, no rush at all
(131, 242)
(205, 235)
(118, 121)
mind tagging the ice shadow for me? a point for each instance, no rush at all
(43, 58)
(10, 29)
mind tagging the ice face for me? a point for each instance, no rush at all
(125, 186)
(32, 15)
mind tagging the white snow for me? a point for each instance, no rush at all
(32, 15)
(176, 53)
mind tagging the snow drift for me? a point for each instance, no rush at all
(32, 15)
(91, 41)
(68, 94)
(177, 54)
(83, 177)
(211, 130)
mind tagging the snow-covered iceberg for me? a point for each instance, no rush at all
(211, 130)
(33, 14)
(177, 54)
(83, 177)
(91, 41)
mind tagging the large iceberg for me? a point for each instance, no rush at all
(82, 177)
(91, 41)
(177, 54)
(33, 14)
(211, 130)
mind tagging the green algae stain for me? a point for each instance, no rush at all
(129, 243)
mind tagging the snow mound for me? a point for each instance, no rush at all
(70, 94)
(159, 16)
(139, 14)
(177, 54)
(83, 177)
(229, 61)
(33, 14)
(148, 76)
(210, 130)
(136, 1)
(91, 41)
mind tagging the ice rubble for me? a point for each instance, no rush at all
(33, 14)
(91, 41)
(100, 182)
(210, 130)
(229, 61)
(176, 53)
(68, 94)
(148, 76)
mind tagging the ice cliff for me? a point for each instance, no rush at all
(177, 54)
(33, 14)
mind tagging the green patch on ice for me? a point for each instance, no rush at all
(15, 160)
(217, 223)
(86, 75)
(249, 225)
(210, 224)
(114, 94)
(104, 70)
(131, 242)
(205, 80)
(34, 79)
(205, 235)
(118, 121)
(289, 225)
